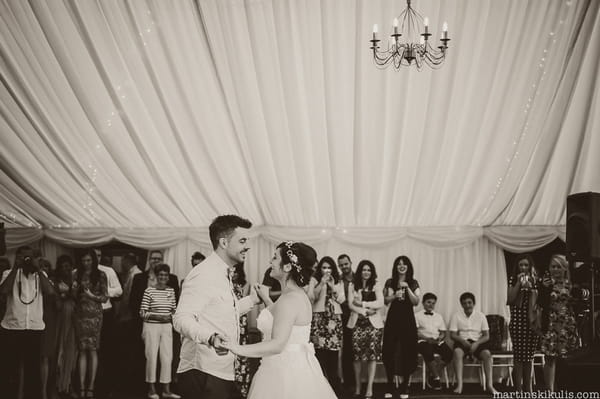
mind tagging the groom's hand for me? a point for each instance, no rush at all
(218, 342)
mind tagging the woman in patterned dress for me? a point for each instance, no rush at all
(522, 295)
(560, 334)
(243, 374)
(400, 331)
(90, 288)
(326, 293)
(365, 298)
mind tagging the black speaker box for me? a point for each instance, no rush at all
(583, 226)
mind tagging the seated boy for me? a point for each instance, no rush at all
(470, 331)
(431, 331)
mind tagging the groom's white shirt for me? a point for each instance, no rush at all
(208, 305)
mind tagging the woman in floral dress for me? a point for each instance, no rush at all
(90, 288)
(559, 333)
(326, 293)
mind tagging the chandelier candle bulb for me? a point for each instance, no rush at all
(445, 30)
(395, 26)
(375, 32)
(426, 24)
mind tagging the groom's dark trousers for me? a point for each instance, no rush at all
(196, 384)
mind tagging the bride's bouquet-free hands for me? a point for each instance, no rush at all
(262, 292)
(227, 344)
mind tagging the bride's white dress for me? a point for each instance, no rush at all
(294, 373)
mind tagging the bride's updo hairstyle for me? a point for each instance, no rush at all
(302, 257)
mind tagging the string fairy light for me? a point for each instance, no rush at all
(516, 143)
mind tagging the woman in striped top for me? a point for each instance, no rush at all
(158, 306)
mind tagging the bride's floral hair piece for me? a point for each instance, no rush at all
(292, 256)
(301, 257)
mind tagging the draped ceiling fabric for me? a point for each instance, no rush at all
(142, 120)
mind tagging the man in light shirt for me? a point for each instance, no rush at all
(25, 288)
(208, 311)
(431, 332)
(108, 331)
(470, 331)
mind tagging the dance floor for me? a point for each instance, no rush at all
(471, 391)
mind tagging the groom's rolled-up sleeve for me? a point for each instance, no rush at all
(194, 297)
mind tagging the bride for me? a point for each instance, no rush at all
(289, 368)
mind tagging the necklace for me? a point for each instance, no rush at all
(35, 292)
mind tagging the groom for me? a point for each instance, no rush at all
(209, 310)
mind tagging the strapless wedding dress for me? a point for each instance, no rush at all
(295, 373)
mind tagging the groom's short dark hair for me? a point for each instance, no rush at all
(224, 225)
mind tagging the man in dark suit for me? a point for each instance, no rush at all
(141, 281)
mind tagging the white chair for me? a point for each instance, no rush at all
(538, 359)
(474, 363)
(507, 361)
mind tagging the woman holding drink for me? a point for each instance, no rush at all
(400, 332)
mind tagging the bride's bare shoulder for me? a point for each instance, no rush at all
(291, 300)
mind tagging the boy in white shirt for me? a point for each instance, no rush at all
(431, 331)
(470, 331)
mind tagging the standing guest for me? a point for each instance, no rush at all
(559, 333)
(129, 269)
(148, 279)
(157, 308)
(326, 293)
(522, 295)
(209, 311)
(243, 377)
(138, 286)
(197, 257)
(4, 265)
(66, 348)
(431, 331)
(25, 289)
(400, 332)
(90, 288)
(345, 265)
(365, 298)
(470, 331)
(131, 350)
(49, 337)
(108, 339)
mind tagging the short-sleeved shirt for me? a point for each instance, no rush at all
(471, 327)
(430, 325)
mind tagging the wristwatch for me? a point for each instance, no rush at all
(211, 339)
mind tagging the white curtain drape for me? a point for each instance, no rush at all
(164, 114)
(447, 260)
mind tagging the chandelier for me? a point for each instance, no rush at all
(408, 46)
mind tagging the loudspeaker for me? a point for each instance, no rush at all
(583, 226)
